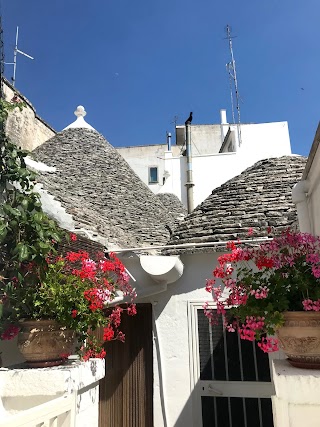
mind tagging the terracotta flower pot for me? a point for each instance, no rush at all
(299, 338)
(44, 342)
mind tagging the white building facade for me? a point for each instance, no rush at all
(219, 152)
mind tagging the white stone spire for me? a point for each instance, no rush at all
(80, 121)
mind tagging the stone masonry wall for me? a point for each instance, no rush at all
(25, 128)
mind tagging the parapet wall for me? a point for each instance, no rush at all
(25, 128)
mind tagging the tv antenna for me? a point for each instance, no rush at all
(175, 119)
(15, 53)
(231, 69)
(1, 57)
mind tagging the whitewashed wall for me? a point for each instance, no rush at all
(259, 141)
(313, 199)
(172, 373)
(24, 389)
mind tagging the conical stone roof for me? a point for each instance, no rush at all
(245, 205)
(99, 189)
(174, 205)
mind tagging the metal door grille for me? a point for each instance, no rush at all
(235, 382)
(236, 412)
(225, 357)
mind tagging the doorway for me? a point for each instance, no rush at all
(126, 392)
(232, 380)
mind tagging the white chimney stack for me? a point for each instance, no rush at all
(223, 124)
(223, 117)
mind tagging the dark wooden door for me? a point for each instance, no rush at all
(126, 392)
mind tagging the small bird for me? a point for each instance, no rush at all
(189, 119)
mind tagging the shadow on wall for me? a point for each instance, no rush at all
(9, 353)
(211, 407)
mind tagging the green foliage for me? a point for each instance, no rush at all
(26, 232)
(263, 282)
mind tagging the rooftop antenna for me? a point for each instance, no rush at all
(1, 57)
(231, 68)
(15, 53)
(175, 119)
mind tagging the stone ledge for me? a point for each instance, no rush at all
(294, 385)
(22, 388)
(54, 381)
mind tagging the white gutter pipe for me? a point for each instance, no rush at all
(299, 198)
(151, 290)
(191, 245)
(162, 269)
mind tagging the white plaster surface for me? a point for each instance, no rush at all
(210, 168)
(314, 194)
(166, 269)
(38, 166)
(172, 375)
(21, 389)
(80, 122)
(296, 402)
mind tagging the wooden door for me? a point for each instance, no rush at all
(126, 392)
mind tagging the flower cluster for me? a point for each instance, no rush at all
(77, 292)
(259, 283)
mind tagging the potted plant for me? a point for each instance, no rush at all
(68, 301)
(67, 296)
(271, 293)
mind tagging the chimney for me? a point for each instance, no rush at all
(169, 141)
(223, 124)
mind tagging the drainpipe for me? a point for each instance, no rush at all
(169, 141)
(189, 183)
(299, 198)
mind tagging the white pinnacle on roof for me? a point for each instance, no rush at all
(80, 121)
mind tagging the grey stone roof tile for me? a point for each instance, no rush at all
(258, 198)
(99, 189)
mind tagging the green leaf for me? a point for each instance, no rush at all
(38, 217)
(22, 251)
(55, 237)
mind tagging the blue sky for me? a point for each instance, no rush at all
(135, 65)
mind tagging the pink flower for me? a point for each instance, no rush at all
(132, 310)
(260, 293)
(316, 271)
(73, 237)
(10, 332)
(209, 285)
(121, 336)
(309, 305)
(230, 328)
(269, 344)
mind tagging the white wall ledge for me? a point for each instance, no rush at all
(22, 388)
(296, 402)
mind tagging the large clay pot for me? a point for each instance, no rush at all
(299, 338)
(44, 342)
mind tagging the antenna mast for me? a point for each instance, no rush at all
(15, 52)
(1, 57)
(231, 68)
